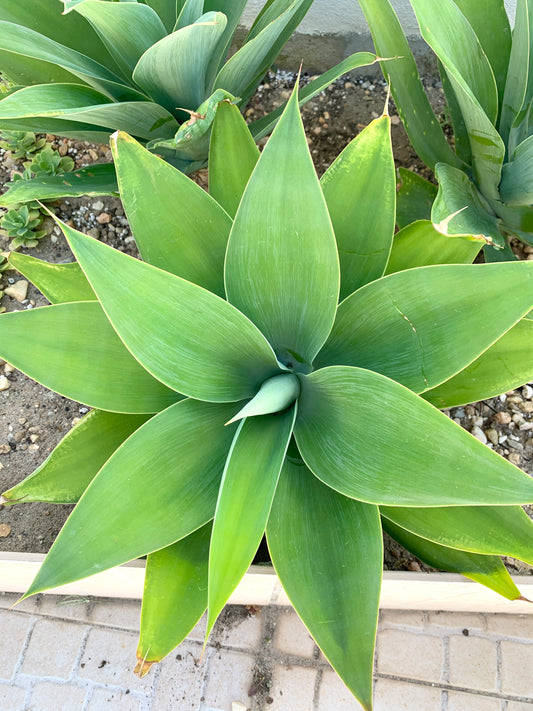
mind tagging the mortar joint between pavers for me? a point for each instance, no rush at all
(446, 660)
(465, 690)
(25, 645)
(499, 665)
(316, 695)
(444, 700)
(208, 654)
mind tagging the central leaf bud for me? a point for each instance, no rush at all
(275, 394)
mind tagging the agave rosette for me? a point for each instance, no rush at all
(332, 427)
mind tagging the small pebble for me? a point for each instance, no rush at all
(18, 291)
(526, 406)
(5, 530)
(503, 418)
(103, 218)
(514, 458)
(4, 383)
(492, 435)
(98, 206)
(527, 392)
(479, 434)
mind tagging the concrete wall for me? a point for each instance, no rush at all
(333, 29)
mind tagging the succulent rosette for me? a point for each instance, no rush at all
(271, 365)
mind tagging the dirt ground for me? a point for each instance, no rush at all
(33, 419)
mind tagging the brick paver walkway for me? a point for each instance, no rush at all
(58, 654)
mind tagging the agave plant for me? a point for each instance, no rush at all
(153, 68)
(234, 394)
(486, 185)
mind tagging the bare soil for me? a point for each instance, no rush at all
(33, 420)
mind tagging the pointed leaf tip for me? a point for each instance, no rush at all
(142, 667)
(274, 395)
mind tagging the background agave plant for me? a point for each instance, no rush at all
(234, 394)
(486, 185)
(153, 68)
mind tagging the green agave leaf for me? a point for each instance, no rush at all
(517, 76)
(21, 70)
(173, 72)
(75, 351)
(516, 187)
(491, 26)
(461, 140)
(265, 125)
(328, 550)
(244, 502)
(334, 409)
(59, 127)
(420, 244)
(506, 365)
(490, 530)
(109, 19)
(190, 13)
(194, 341)
(233, 10)
(83, 105)
(157, 488)
(20, 40)
(283, 222)
(177, 226)
(270, 11)
(174, 598)
(415, 198)
(360, 192)
(402, 325)
(517, 218)
(71, 30)
(95, 180)
(242, 73)
(459, 209)
(232, 157)
(401, 73)
(485, 569)
(167, 10)
(67, 472)
(450, 35)
(60, 283)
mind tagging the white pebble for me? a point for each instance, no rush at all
(479, 434)
(4, 383)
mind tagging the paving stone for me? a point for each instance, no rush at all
(333, 694)
(520, 626)
(458, 701)
(518, 706)
(72, 607)
(114, 700)
(179, 684)
(473, 663)
(406, 654)
(238, 628)
(392, 695)
(517, 663)
(293, 688)
(14, 629)
(12, 697)
(48, 696)
(229, 678)
(454, 621)
(109, 658)
(53, 648)
(401, 618)
(292, 637)
(31, 604)
(125, 614)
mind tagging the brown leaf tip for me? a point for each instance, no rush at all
(143, 666)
